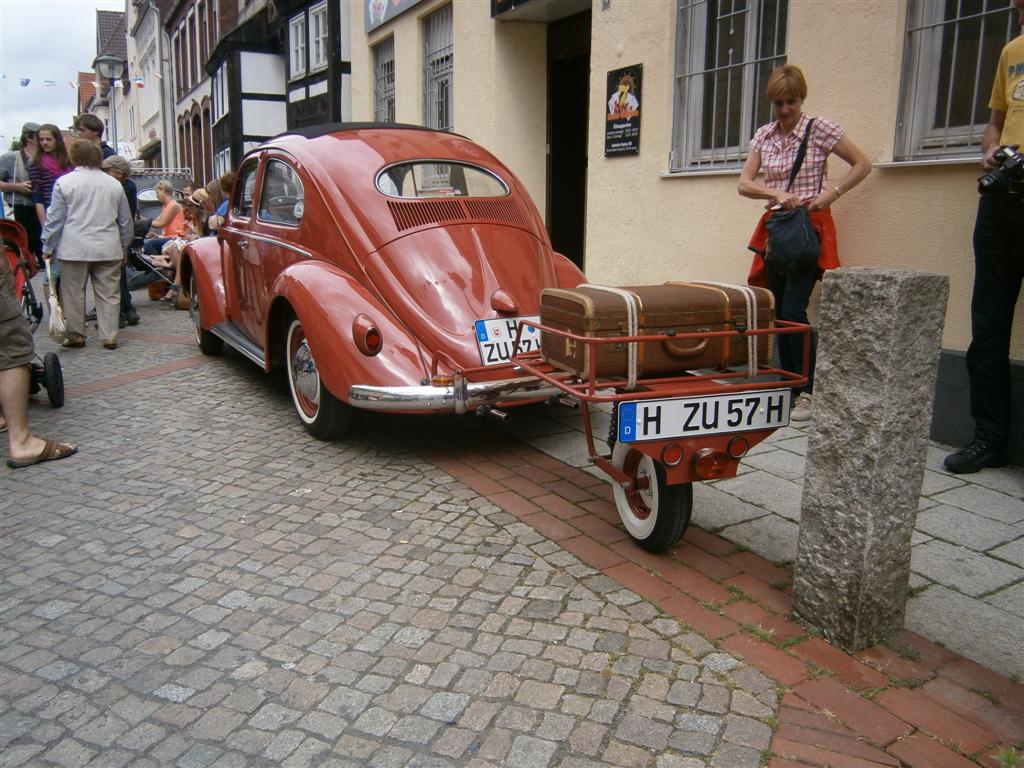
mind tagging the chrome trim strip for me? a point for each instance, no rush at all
(279, 244)
(461, 397)
(239, 342)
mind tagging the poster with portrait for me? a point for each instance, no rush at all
(622, 112)
(377, 12)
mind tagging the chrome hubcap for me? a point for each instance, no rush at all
(305, 379)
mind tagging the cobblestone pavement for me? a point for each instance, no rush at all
(206, 585)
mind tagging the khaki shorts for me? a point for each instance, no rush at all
(16, 347)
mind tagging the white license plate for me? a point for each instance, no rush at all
(497, 337)
(642, 420)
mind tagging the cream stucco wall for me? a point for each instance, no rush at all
(645, 226)
(697, 226)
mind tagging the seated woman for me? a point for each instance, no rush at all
(195, 226)
(171, 219)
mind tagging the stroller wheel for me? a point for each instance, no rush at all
(53, 378)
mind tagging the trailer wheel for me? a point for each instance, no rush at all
(322, 414)
(654, 513)
(53, 379)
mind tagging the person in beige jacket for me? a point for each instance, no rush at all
(89, 226)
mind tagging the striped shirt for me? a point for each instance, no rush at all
(778, 153)
(44, 173)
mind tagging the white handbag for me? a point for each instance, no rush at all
(58, 330)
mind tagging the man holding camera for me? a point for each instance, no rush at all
(998, 265)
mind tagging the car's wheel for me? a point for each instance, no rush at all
(53, 379)
(323, 415)
(654, 513)
(209, 344)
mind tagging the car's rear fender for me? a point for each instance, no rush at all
(326, 300)
(203, 259)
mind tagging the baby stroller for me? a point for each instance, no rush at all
(46, 372)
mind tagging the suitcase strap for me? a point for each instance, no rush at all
(750, 298)
(632, 326)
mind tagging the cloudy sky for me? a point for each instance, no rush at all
(44, 40)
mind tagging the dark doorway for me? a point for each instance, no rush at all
(568, 94)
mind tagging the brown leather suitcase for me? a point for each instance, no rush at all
(673, 307)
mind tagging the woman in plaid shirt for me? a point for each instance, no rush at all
(773, 151)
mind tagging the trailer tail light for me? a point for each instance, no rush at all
(367, 335)
(671, 455)
(710, 463)
(738, 447)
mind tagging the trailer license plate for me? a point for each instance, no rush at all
(642, 420)
(496, 338)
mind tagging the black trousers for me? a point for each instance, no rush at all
(998, 267)
(792, 293)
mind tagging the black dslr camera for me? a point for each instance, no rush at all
(1011, 169)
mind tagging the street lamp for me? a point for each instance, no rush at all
(111, 68)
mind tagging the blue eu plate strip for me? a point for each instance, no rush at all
(627, 422)
(481, 330)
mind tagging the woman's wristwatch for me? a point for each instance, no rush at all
(837, 190)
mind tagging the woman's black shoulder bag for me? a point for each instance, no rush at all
(793, 245)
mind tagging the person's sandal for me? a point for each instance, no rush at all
(172, 294)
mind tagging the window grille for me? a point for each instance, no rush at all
(437, 70)
(384, 81)
(726, 49)
(318, 38)
(297, 45)
(950, 57)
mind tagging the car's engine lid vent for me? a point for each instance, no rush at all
(423, 212)
(420, 213)
(497, 210)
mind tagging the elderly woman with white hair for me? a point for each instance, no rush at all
(88, 226)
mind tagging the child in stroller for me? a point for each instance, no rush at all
(46, 372)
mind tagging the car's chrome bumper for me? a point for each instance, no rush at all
(461, 397)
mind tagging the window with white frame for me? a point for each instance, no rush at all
(297, 45)
(950, 57)
(384, 81)
(318, 36)
(725, 51)
(219, 93)
(222, 162)
(437, 69)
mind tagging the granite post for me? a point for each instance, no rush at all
(878, 356)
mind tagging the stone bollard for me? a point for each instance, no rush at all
(877, 361)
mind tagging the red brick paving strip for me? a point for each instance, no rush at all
(919, 751)
(739, 600)
(112, 382)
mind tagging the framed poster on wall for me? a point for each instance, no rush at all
(622, 116)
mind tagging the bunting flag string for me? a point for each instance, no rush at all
(136, 82)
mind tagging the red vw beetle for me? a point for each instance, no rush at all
(384, 266)
(396, 268)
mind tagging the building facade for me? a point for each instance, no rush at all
(908, 80)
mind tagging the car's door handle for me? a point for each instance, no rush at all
(243, 244)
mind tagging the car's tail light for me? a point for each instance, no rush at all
(367, 335)
(710, 463)
(671, 454)
(738, 447)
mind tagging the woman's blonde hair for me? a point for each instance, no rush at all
(164, 186)
(786, 82)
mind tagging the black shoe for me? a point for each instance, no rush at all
(90, 316)
(131, 317)
(122, 321)
(973, 457)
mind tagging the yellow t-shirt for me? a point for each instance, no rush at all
(1008, 91)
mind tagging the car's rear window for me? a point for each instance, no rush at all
(429, 178)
